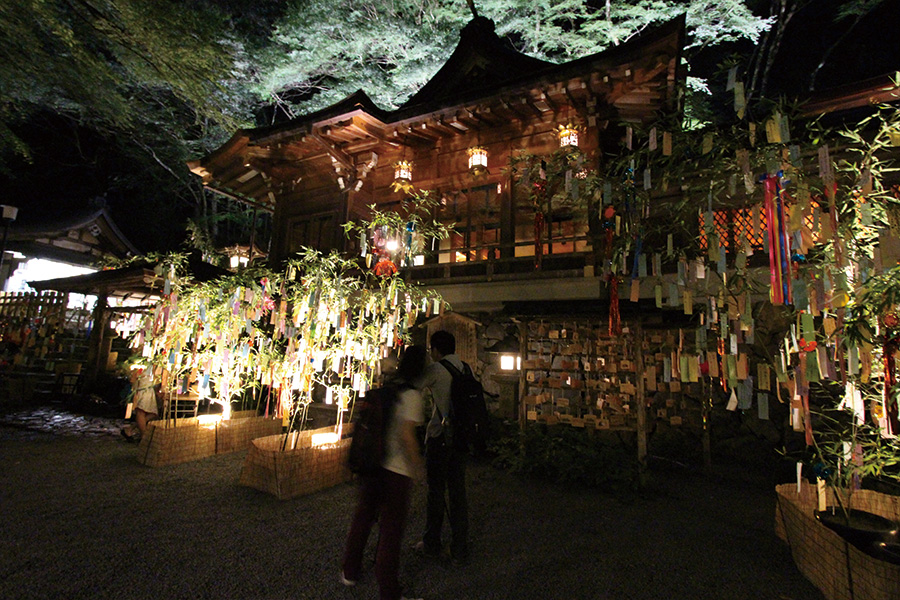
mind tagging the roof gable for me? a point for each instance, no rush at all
(481, 60)
(80, 238)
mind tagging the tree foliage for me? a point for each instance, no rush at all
(320, 55)
(114, 64)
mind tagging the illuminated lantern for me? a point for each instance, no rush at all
(403, 176)
(568, 135)
(403, 170)
(477, 158)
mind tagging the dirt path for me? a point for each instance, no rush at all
(82, 519)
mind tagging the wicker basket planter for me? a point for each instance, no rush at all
(838, 569)
(295, 472)
(242, 428)
(182, 440)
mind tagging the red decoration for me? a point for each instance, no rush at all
(615, 320)
(609, 226)
(807, 346)
(384, 267)
(778, 242)
(890, 380)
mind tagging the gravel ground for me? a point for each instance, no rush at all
(82, 519)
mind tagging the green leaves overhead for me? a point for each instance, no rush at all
(391, 49)
(111, 64)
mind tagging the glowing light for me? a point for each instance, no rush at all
(403, 170)
(568, 135)
(391, 245)
(324, 439)
(510, 362)
(208, 421)
(477, 157)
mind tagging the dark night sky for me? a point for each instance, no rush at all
(870, 50)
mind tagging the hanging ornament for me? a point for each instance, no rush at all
(890, 323)
(403, 177)
(609, 228)
(478, 160)
(384, 267)
(380, 237)
(410, 230)
(778, 240)
(568, 135)
(615, 320)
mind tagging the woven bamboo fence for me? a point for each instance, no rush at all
(169, 442)
(838, 569)
(297, 470)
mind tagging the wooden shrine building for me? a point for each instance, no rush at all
(318, 171)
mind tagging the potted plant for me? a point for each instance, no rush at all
(848, 453)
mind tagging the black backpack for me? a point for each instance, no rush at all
(373, 414)
(468, 418)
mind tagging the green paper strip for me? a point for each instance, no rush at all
(807, 327)
(812, 367)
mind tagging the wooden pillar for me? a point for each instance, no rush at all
(641, 401)
(508, 219)
(704, 416)
(252, 238)
(96, 360)
(523, 353)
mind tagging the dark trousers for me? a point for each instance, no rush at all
(446, 473)
(383, 498)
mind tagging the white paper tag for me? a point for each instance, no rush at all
(732, 402)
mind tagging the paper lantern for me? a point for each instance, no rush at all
(477, 158)
(568, 135)
(403, 176)
(403, 170)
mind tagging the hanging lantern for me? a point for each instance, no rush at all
(403, 176)
(477, 158)
(568, 135)
(403, 170)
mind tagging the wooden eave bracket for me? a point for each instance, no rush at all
(544, 103)
(334, 152)
(364, 169)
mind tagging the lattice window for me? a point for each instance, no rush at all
(736, 225)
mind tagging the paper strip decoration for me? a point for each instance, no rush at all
(762, 402)
(778, 244)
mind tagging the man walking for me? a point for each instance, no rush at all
(445, 466)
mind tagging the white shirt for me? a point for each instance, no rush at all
(407, 408)
(438, 379)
